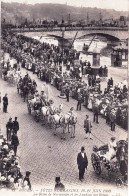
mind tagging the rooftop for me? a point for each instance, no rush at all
(121, 47)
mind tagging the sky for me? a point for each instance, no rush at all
(120, 5)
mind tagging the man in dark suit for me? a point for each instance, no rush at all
(15, 142)
(59, 186)
(5, 103)
(95, 113)
(111, 82)
(67, 94)
(9, 129)
(112, 120)
(15, 125)
(82, 162)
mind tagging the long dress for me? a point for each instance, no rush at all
(112, 150)
(89, 104)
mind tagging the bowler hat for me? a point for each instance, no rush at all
(82, 148)
(57, 179)
(28, 173)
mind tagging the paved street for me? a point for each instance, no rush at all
(46, 155)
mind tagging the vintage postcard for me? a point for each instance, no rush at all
(64, 98)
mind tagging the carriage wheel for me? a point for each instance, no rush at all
(96, 164)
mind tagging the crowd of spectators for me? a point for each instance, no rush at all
(11, 176)
(45, 60)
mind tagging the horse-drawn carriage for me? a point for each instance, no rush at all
(116, 167)
(33, 104)
(48, 114)
(26, 89)
(12, 77)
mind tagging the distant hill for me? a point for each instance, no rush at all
(17, 12)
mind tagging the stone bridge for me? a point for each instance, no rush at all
(65, 36)
(117, 33)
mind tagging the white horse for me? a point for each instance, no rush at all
(10, 77)
(64, 121)
(16, 77)
(58, 121)
(45, 112)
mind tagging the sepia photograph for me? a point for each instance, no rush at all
(64, 97)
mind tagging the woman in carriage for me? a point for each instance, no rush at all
(110, 151)
(112, 147)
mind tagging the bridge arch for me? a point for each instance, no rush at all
(57, 37)
(63, 42)
(107, 35)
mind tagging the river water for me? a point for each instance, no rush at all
(101, 44)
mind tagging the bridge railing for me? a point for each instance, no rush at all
(43, 29)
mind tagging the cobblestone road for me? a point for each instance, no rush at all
(46, 155)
